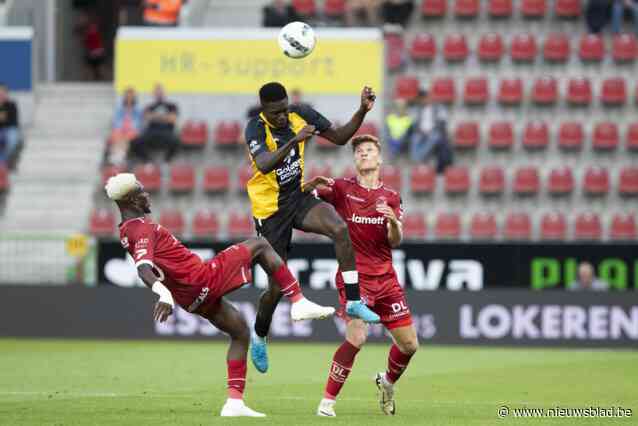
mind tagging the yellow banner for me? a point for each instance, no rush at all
(337, 66)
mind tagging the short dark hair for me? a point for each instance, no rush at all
(272, 92)
(358, 140)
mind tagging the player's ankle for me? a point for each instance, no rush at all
(297, 298)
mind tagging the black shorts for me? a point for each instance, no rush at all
(277, 229)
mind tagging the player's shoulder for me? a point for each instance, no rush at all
(255, 129)
(137, 225)
(390, 193)
(345, 182)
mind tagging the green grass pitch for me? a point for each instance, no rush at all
(53, 382)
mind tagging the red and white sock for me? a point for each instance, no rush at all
(340, 369)
(236, 378)
(397, 363)
(288, 283)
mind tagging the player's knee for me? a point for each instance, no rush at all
(357, 334)
(410, 346)
(339, 230)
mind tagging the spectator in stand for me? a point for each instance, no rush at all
(9, 133)
(430, 133)
(92, 41)
(367, 9)
(586, 280)
(162, 13)
(296, 98)
(597, 15)
(127, 125)
(618, 14)
(397, 12)
(278, 13)
(160, 118)
(398, 127)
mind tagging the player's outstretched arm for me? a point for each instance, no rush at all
(164, 306)
(267, 161)
(341, 135)
(319, 182)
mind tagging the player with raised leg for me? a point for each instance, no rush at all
(373, 213)
(178, 275)
(276, 141)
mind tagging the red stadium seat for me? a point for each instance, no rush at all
(395, 50)
(623, 227)
(433, 8)
(510, 91)
(567, 9)
(545, 91)
(334, 9)
(240, 226)
(533, 8)
(591, 48)
(368, 128)
(632, 137)
(518, 226)
(553, 226)
(628, 181)
(423, 47)
(466, 8)
(245, 174)
(483, 226)
(414, 226)
(605, 136)
(536, 135)
(406, 87)
(305, 8)
(467, 135)
(227, 133)
(492, 180)
(476, 91)
(501, 135)
(216, 179)
(422, 179)
(579, 91)
(523, 48)
(325, 171)
(448, 226)
(102, 223)
(455, 48)
(391, 177)
(526, 181)
(182, 178)
(194, 134)
(107, 172)
(614, 92)
(443, 90)
(561, 181)
(173, 221)
(205, 224)
(571, 136)
(625, 47)
(457, 180)
(4, 178)
(500, 8)
(596, 181)
(587, 227)
(150, 176)
(556, 47)
(490, 47)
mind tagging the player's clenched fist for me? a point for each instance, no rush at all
(387, 212)
(367, 98)
(319, 182)
(162, 311)
(306, 132)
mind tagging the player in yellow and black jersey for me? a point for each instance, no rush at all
(276, 140)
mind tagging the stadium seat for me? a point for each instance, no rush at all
(368, 128)
(216, 179)
(623, 227)
(533, 9)
(556, 47)
(579, 91)
(466, 8)
(423, 47)
(625, 47)
(467, 135)
(227, 133)
(561, 181)
(501, 135)
(483, 226)
(553, 226)
(406, 87)
(591, 48)
(194, 134)
(596, 181)
(173, 221)
(334, 9)
(500, 8)
(631, 142)
(490, 47)
(245, 174)
(536, 135)
(523, 48)
(526, 181)
(605, 136)
(107, 172)
(492, 180)
(315, 171)
(571, 136)
(455, 48)
(414, 226)
(567, 9)
(205, 224)
(4, 178)
(443, 90)
(422, 179)
(150, 176)
(433, 8)
(614, 92)
(545, 91)
(101, 223)
(510, 91)
(240, 226)
(476, 91)
(305, 8)
(518, 226)
(628, 181)
(457, 180)
(182, 178)
(391, 177)
(587, 227)
(395, 51)
(448, 226)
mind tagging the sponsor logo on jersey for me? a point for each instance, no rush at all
(253, 146)
(289, 171)
(364, 220)
(199, 300)
(361, 200)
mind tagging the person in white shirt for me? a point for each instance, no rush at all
(586, 280)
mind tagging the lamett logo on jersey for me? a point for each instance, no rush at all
(363, 220)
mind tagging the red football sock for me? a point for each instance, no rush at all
(341, 365)
(397, 363)
(236, 378)
(288, 283)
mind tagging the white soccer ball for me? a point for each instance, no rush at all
(297, 40)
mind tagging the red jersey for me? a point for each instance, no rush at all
(368, 228)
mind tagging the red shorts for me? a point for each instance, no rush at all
(384, 295)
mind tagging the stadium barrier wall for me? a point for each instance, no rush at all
(491, 317)
(16, 51)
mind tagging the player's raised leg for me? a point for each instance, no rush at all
(323, 219)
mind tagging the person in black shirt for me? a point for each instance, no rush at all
(278, 14)
(9, 134)
(159, 134)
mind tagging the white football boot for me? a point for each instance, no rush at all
(304, 309)
(237, 408)
(326, 408)
(386, 394)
